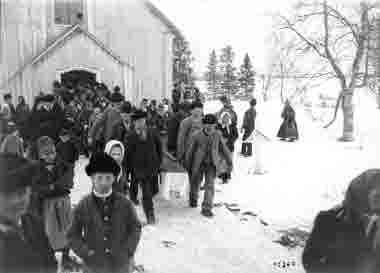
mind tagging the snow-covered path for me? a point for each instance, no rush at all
(304, 177)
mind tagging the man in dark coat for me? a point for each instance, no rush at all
(107, 126)
(105, 230)
(206, 156)
(24, 246)
(144, 157)
(347, 237)
(249, 120)
(248, 127)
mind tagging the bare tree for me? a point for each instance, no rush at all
(335, 35)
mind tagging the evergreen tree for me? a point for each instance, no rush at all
(229, 82)
(211, 74)
(247, 76)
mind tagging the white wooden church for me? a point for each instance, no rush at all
(128, 43)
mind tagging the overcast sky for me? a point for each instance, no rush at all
(212, 24)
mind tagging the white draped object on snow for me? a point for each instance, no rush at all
(175, 185)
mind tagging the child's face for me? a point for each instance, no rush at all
(117, 154)
(102, 182)
(48, 154)
(209, 128)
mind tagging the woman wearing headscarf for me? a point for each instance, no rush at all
(230, 135)
(288, 129)
(116, 150)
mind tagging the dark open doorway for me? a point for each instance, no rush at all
(75, 77)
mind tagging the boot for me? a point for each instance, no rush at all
(151, 219)
(207, 213)
(193, 203)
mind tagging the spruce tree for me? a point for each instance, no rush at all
(247, 76)
(229, 82)
(211, 74)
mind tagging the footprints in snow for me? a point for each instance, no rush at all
(235, 209)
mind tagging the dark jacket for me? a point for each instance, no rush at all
(335, 245)
(249, 122)
(121, 184)
(199, 148)
(105, 127)
(229, 134)
(68, 151)
(87, 232)
(144, 157)
(231, 111)
(57, 183)
(22, 113)
(30, 254)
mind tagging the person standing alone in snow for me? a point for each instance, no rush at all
(288, 129)
(248, 127)
(204, 158)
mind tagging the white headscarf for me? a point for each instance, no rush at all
(222, 116)
(110, 144)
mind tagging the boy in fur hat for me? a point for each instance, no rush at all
(24, 247)
(52, 196)
(105, 230)
(206, 156)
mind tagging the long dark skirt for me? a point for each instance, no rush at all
(288, 129)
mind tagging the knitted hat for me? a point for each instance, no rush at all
(16, 172)
(102, 163)
(116, 97)
(209, 119)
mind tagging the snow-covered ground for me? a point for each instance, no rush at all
(304, 177)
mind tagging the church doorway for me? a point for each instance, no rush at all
(74, 77)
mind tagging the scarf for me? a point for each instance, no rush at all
(102, 196)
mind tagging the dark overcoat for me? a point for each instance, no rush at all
(249, 122)
(230, 135)
(27, 251)
(87, 232)
(288, 128)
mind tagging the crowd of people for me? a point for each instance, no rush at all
(126, 145)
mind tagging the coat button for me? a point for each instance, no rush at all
(106, 218)
(105, 238)
(108, 250)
